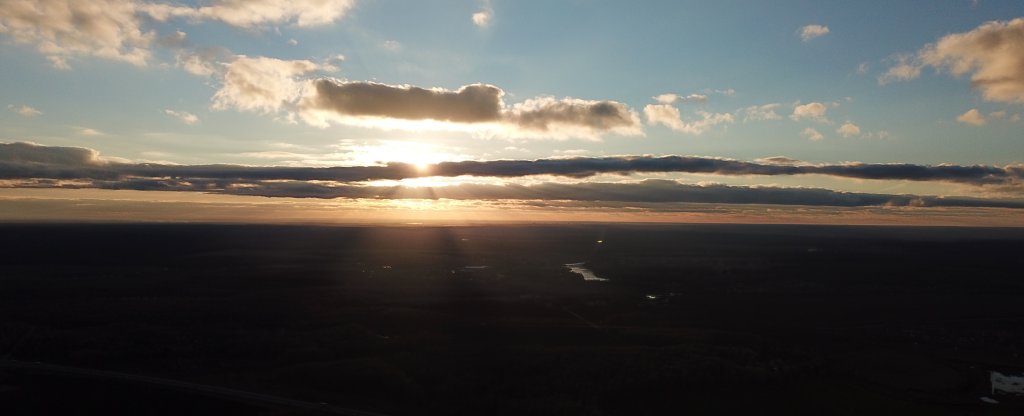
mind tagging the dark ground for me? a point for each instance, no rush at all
(695, 319)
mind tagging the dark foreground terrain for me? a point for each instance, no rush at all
(163, 319)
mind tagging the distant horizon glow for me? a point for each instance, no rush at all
(774, 112)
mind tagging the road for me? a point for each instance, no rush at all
(208, 390)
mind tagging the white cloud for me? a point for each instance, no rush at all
(977, 118)
(293, 42)
(205, 62)
(761, 112)
(24, 110)
(669, 116)
(114, 29)
(62, 29)
(992, 54)
(848, 129)
(184, 117)
(972, 116)
(812, 134)
(85, 131)
(675, 98)
(392, 45)
(862, 68)
(262, 84)
(813, 31)
(813, 110)
(258, 13)
(482, 18)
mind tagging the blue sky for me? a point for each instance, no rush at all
(727, 56)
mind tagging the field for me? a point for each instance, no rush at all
(489, 320)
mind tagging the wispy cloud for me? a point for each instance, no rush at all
(184, 117)
(670, 117)
(24, 110)
(812, 134)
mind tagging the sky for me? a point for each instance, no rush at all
(377, 110)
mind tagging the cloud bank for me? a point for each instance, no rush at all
(22, 160)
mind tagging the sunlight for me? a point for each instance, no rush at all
(419, 154)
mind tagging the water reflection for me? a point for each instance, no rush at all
(585, 272)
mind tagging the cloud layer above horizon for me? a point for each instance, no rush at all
(34, 166)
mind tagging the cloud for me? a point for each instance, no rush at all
(848, 129)
(812, 134)
(813, 31)
(85, 131)
(114, 29)
(573, 117)
(813, 110)
(761, 112)
(972, 116)
(674, 98)
(24, 110)
(48, 163)
(257, 13)
(184, 117)
(370, 103)
(392, 45)
(483, 18)
(62, 29)
(205, 62)
(905, 69)
(669, 116)
(593, 193)
(470, 104)
(992, 54)
(262, 84)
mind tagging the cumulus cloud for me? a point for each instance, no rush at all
(670, 98)
(114, 29)
(812, 134)
(53, 163)
(813, 31)
(24, 110)
(360, 103)
(992, 54)
(669, 116)
(761, 112)
(62, 29)
(262, 84)
(184, 117)
(482, 18)
(569, 117)
(848, 129)
(972, 116)
(813, 111)
(470, 104)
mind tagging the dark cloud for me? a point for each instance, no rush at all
(26, 161)
(595, 193)
(340, 101)
(543, 114)
(470, 104)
